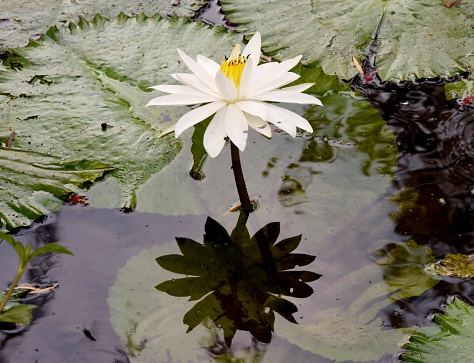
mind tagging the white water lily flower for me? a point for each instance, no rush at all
(235, 92)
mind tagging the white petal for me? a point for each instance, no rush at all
(226, 87)
(259, 125)
(182, 98)
(288, 97)
(209, 65)
(289, 116)
(265, 76)
(275, 69)
(255, 108)
(196, 68)
(253, 49)
(193, 81)
(245, 79)
(281, 121)
(197, 115)
(269, 113)
(236, 126)
(271, 84)
(214, 137)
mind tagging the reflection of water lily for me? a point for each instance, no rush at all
(239, 278)
(236, 92)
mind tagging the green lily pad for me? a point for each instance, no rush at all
(34, 184)
(415, 39)
(448, 341)
(57, 94)
(23, 19)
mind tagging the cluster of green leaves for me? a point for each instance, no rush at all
(239, 278)
(22, 313)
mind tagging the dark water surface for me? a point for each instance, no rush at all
(435, 164)
(101, 240)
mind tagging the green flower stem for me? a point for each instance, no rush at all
(239, 179)
(19, 273)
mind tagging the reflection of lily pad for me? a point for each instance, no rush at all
(57, 93)
(449, 341)
(23, 19)
(417, 39)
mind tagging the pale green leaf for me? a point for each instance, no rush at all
(20, 314)
(34, 184)
(51, 248)
(346, 334)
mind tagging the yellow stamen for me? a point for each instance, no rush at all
(233, 66)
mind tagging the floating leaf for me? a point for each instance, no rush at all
(449, 341)
(454, 265)
(462, 90)
(32, 183)
(416, 39)
(23, 19)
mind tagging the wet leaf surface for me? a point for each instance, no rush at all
(24, 19)
(415, 39)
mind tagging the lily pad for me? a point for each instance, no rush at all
(462, 91)
(74, 95)
(24, 19)
(448, 341)
(34, 184)
(415, 39)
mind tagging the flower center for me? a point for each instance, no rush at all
(233, 66)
